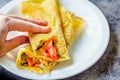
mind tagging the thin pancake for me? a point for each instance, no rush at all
(46, 10)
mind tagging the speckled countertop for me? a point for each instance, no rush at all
(108, 67)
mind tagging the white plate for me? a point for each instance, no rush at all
(86, 50)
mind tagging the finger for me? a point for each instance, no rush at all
(25, 26)
(13, 43)
(3, 29)
(36, 21)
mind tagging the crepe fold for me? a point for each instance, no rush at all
(72, 25)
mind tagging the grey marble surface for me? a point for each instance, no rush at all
(108, 67)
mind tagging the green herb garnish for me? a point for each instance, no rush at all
(24, 64)
(23, 56)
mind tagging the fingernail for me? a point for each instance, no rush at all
(43, 23)
(27, 40)
(43, 30)
(47, 29)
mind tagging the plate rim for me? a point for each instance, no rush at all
(93, 62)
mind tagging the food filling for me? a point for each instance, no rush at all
(48, 49)
(27, 61)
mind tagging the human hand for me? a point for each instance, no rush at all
(13, 23)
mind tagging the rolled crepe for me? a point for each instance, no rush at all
(46, 10)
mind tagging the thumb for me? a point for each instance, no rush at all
(14, 42)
